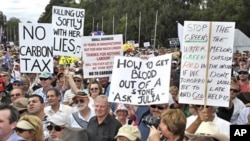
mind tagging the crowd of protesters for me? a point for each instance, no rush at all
(66, 106)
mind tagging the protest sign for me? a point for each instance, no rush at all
(68, 30)
(36, 48)
(140, 82)
(99, 53)
(206, 63)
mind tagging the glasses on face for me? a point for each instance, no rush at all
(15, 84)
(77, 80)
(80, 100)
(57, 128)
(158, 107)
(243, 72)
(3, 75)
(92, 89)
(15, 95)
(21, 130)
(234, 90)
(43, 79)
(198, 106)
(22, 111)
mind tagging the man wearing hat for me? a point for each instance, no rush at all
(17, 83)
(80, 119)
(45, 81)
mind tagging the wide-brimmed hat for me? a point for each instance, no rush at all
(80, 94)
(209, 129)
(20, 104)
(129, 131)
(23, 124)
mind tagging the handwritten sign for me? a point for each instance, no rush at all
(36, 48)
(99, 53)
(68, 30)
(140, 82)
(206, 63)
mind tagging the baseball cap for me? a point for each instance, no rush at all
(45, 75)
(129, 131)
(80, 94)
(243, 70)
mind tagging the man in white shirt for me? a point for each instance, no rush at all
(207, 114)
(55, 107)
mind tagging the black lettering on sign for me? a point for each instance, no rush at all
(124, 98)
(148, 99)
(128, 64)
(38, 33)
(143, 74)
(35, 64)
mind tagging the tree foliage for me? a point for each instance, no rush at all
(111, 14)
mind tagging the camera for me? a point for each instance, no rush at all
(151, 120)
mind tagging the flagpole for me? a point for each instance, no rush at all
(93, 24)
(113, 24)
(139, 29)
(155, 27)
(126, 24)
(102, 23)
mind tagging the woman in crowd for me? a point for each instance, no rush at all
(95, 89)
(172, 126)
(30, 128)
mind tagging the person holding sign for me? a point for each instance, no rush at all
(207, 113)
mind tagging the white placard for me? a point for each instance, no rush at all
(68, 30)
(206, 43)
(140, 82)
(99, 53)
(36, 48)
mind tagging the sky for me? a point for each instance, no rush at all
(25, 10)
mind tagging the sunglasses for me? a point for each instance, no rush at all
(234, 90)
(22, 111)
(57, 128)
(3, 75)
(81, 101)
(94, 89)
(243, 72)
(21, 130)
(158, 107)
(198, 106)
(12, 95)
(43, 79)
(77, 80)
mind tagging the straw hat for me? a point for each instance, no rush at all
(209, 129)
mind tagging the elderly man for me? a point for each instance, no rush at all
(103, 126)
(8, 121)
(16, 94)
(80, 119)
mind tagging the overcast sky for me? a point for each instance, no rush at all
(25, 10)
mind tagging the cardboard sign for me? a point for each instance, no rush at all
(206, 63)
(99, 53)
(68, 30)
(140, 82)
(36, 48)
